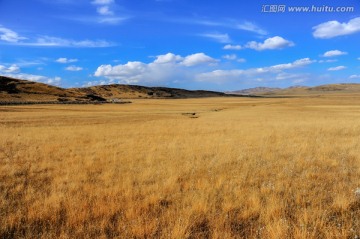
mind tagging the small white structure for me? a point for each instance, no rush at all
(115, 100)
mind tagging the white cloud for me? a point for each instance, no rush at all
(289, 76)
(131, 69)
(230, 57)
(252, 27)
(195, 68)
(245, 26)
(38, 78)
(74, 68)
(222, 38)
(359, 58)
(354, 77)
(337, 68)
(232, 47)
(298, 63)
(233, 57)
(14, 72)
(48, 41)
(168, 58)
(11, 69)
(272, 43)
(111, 20)
(252, 73)
(164, 68)
(104, 10)
(65, 60)
(9, 35)
(332, 29)
(328, 61)
(334, 53)
(106, 13)
(198, 58)
(102, 2)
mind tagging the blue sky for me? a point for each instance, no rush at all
(215, 45)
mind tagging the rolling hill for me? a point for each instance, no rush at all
(16, 90)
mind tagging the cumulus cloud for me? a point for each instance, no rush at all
(332, 29)
(168, 58)
(165, 67)
(65, 60)
(337, 68)
(232, 47)
(196, 68)
(74, 68)
(272, 43)
(9, 35)
(334, 53)
(222, 38)
(198, 58)
(10, 69)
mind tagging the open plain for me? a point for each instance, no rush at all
(182, 168)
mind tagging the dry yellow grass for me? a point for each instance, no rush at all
(245, 168)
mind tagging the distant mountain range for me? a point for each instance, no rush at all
(345, 88)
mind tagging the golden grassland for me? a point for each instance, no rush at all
(238, 168)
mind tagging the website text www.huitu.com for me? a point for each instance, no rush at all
(310, 9)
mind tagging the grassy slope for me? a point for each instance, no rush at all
(26, 91)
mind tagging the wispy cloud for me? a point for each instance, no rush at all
(337, 68)
(275, 71)
(354, 77)
(106, 10)
(9, 35)
(9, 69)
(251, 27)
(334, 53)
(49, 41)
(74, 68)
(219, 37)
(233, 57)
(65, 60)
(243, 25)
(37, 78)
(232, 47)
